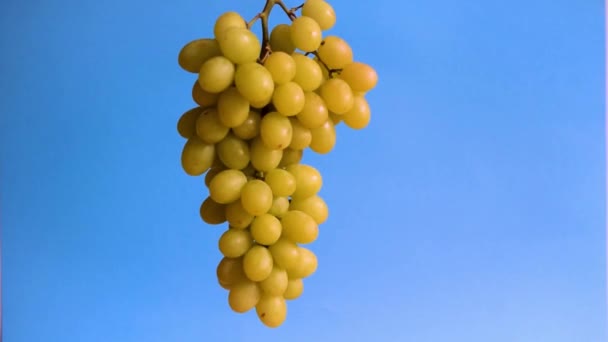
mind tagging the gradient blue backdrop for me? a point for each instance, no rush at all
(470, 209)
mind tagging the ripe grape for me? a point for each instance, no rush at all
(244, 296)
(285, 253)
(197, 156)
(195, 53)
(280, 205)
(213, 212)
(239, 45)
(266, 229)
(272, 310)
(308, 180)
(288, 98)
(280, 39)
(308, 73)
(359, 76)
(305, 266)
(281, 66)
(314, 206)
(299, 227)
(203, 98)
(281, 182)
(323, 138)
(359, 116)
(276, 283)
(237, 216)
(229, 271)
(305, 33)
(235, 243)
(257, 263)
(321, 12)
(254, 82)
(232, 108)
(186, 126)
(226, 186)
(250, 128)
(216, 74)
(256, 197)
(301, 136)
(314, 113)
(264, 158)
(338, 95)
(228, 20)
(233, 152)
(295, 287)
(209, 128)
(275, 131)
(290, 156)
(335, 52)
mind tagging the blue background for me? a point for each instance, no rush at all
(470, 209)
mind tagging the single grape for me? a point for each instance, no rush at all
(237, 216)
(321, 11)
(280, 39)
(256, 197)
(254, 82)
(232, 108)
(308, 73)
(226, 21)
(250, 128)
(314, 113)
(229, 271)
(186, 125)
(276, 283)
(323, 138)
(212, 173)
(281, 182)
(203, 98)
(216, 74)
(235, 243)
(213, 212)
(359, 76)
(288, 98)
(275, 131)
(195, 53)
(359, 116)
(337, 95)
(335, 52)
(290, 156)
(308, 180)
(301, 136)
(305, 34)
(240, 45)
(197, 156)
(280, 205)
(285, 253)
(233, 152)
(299, 227)
(257, 263)
(266, 229)
(281, 66)
(314, 206)
(244, 296)
(226, 186)
(294, 289)
(305, 266)
(209, 128)
(263, 158)
(271, 310)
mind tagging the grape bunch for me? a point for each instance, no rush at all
(259, 105)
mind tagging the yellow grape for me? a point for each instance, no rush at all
(294, 289)
(257, 263)
(233, 152)
(301, 136)
(359, 116)
(285, 253)
(250, 128)
(321, 12)
(256, 197)
(203, 98)
(195, 53)
(228, 20)
(299, 227)
(229, 271)
(226, 186)
(216, 74)
(235, 243)
(271, 310)
(280, 205)
(197, 156)
(237, 216)
(280, 39)
(213, 212)
(240, 45)
(266, 229)
(288, 98)
(305, 34)
(323, 138)
(186, 125)
(276, 283)
(290, 156)
(275, 131)
(308, 180)
(337, 95)
(308, 73)
(305, 266)
(314, 206)
(281, 66)
(263, 158)
(209, 128)
(281, 182)
(359, 76)
(232, 108)
(254, 82)
(211, 173)
(314, 113)
(244, 296)
(335, 52)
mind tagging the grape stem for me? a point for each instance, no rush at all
(291, 13)
(331, 72)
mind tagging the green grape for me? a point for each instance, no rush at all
(232, 108)
(314, 206)
(299, 227)
(288, 98)
(216, 74)
(256, 197)
(294, 289)
(280, 39)
(308, 73)
(237, 216)
(305, 266)
(323, 138)
(337, 95)
(209, 128)
(271, 310)
(250, 128)
(263, 158)
(281, 182)
(226, 186)
(254, 82)
(240, 45)
(285, 253)
(275, 131)
(244, 296)
(301, 136)
(257, 263)
(201, 97)
(233, 152)
(305, 34)
(280, 205)
(230, 272)
(276, 283)
(281, 66)
(186, 125)
(265, 229)
(359, 76)
(197, 156)
(195, 53)
(359, 116)
(212, 173)
(308, 180)
(213, 212)
(321, 12)
(290, 156)
(228, 20)
(335, 52)
(235, 243)
(314, 113)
